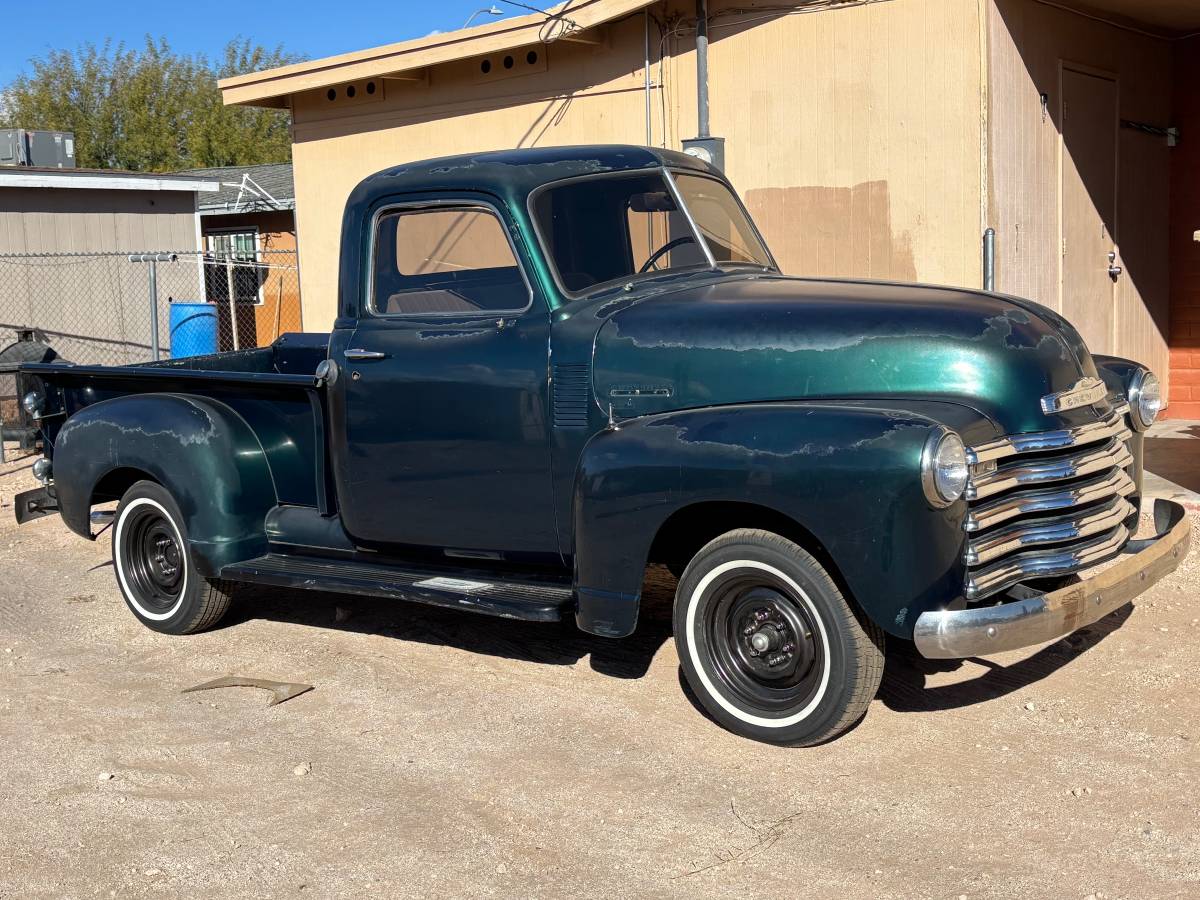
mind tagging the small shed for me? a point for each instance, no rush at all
(98, 210)
(65, 240)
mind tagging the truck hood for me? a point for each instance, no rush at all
(772, 338)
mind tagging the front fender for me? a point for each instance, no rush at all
(1116, 374)
(849, 475)
(199, 449)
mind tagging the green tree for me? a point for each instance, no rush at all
(149, 110)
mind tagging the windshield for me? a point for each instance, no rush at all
(616, 228)
(722, 221)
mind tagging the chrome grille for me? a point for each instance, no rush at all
(1047, 503)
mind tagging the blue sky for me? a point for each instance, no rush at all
(302, 26)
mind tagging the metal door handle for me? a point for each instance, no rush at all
(1114, 272)
(355, 353)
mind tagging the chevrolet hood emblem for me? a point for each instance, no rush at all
(1084, 392)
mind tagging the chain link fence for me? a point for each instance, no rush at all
(122, 308)
(107, 308)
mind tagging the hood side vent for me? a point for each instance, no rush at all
(571, 386)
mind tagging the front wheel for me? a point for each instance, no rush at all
(155, 571)
(768, 643)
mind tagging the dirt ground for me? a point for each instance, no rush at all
(447, 753)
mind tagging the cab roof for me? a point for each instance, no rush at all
(514, 174)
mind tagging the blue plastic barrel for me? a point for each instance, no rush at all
(193, 328)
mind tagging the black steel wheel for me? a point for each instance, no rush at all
(154, 559)
(769, 645)
(155, 571)
(763, 641)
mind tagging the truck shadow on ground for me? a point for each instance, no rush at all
(558, 644)
(907, 675)
(1174, 457)
(909, 680)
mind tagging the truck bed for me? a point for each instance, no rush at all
(272, 389)
(292, 359)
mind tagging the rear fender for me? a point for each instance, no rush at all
(849, 476)
(199, 449)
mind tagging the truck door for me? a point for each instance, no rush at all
(444, 388)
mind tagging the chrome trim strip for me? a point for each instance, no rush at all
(1116, 482)
(955, 634)
(1053, 530)
(928, 481)
(687, 214)
(1035, 441)
(1086, 462)
(1084, 392)
(1041, 564)
(1136, 383)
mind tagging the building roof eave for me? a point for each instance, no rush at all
(563, 22)
(14, 176)
(227, 210)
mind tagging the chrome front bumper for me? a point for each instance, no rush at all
(954, 634)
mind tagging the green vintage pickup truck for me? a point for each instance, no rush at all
(553, 367)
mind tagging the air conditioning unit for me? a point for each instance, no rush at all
(43, 149)
(12, 148)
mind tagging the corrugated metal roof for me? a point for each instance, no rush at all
(269, 187)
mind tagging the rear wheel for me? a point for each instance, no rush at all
(155, 571)
(768, 643)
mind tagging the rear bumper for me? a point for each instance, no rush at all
(954, 634)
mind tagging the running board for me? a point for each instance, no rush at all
(532, 601)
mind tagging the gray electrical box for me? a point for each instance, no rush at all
(710, 149)
(43, 149)
(12, 147)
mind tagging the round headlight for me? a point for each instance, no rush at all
(32, 403)
(1145, 399)
(944, 468)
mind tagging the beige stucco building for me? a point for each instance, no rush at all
(877, 139)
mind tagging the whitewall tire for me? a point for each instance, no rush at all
(155, 572)
(768, 643)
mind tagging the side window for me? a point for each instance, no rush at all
(445, 260)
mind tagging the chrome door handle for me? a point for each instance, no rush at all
(355, 353)
(1114, 272)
